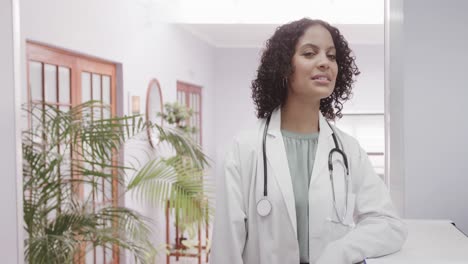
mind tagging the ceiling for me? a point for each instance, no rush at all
(255, 35)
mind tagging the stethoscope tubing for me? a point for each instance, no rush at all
(330, 169)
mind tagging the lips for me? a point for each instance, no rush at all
(321, 77)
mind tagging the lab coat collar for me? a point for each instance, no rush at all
(276, 156)
(274, 128)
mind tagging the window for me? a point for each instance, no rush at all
(369, 131)
(190, 96)
(66, 79)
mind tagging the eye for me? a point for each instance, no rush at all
(332, 57)
(308, 53)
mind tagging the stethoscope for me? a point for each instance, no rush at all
(264, 205)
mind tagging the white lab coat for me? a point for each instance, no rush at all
(240, 235)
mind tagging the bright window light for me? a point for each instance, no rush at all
(274, 12)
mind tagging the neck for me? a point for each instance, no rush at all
(300, 117)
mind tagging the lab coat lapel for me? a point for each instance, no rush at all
(319, 191)
(325, 144)
(276, 156)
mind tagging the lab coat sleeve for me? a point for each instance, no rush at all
(379, 231)
(229, 231)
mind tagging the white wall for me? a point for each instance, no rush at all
(235, 68)
(10, 245)
(435, 106)
(369, 88)
(234, 71)
(129, 33)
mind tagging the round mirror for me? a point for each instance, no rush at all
(154, 105)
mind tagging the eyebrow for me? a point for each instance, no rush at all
(316, 47)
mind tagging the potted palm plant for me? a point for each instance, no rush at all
(194, 189)
(72, 173)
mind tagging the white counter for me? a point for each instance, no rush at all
(430, 242)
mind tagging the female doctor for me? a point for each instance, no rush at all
(296, 189)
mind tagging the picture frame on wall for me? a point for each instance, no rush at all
(135, 103)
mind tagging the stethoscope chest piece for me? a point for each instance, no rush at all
(264, 207)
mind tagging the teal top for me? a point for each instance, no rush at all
(300, 151)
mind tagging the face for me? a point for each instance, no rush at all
(315, 66)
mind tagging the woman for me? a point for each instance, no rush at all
(300, 215)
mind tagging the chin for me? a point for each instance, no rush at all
(322, 92)
(314, 92)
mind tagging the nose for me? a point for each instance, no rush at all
(324, 62)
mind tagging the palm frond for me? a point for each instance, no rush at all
(58, 147)
(66, 149)
(183, 145)
(171, 180)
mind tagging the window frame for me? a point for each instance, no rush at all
(77, 63)
(185, 90)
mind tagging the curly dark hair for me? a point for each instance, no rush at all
(269, 89)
